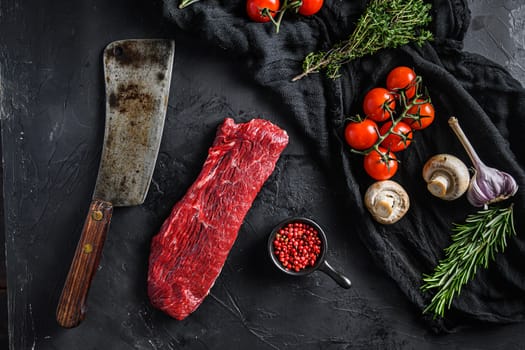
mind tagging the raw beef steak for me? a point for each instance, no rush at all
(189, 252)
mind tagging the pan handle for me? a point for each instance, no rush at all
(71, 306)
(337, 276)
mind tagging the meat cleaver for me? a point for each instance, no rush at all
(137, 76)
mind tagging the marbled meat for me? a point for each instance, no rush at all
(188, 253)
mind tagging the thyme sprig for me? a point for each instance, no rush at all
(384, 24)
(474, 244)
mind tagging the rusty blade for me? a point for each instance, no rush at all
(137, 78)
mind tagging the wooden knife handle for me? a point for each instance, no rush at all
(71, 306)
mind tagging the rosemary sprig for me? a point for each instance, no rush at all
(384, 24)
(474, 244)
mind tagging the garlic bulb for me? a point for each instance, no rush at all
(487, 185)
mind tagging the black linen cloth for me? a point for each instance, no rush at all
(487, 101)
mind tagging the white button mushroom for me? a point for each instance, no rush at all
(447, 177)
(387, 201)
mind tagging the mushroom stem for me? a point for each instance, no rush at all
(438, 184)
(446, 176)
(384, 205)
(387, 201)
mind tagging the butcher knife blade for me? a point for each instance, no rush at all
(137, 76)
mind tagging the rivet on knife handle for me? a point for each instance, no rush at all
(71, 306)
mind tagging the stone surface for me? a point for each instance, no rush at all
(52, 120)
(497, 31)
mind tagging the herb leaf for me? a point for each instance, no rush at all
(474, 244)
(384, 24)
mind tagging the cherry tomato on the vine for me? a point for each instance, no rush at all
(400, 137)
(424, 110)
(310, 7)
(380, 165)
(362, 134)
(400, 78)
(378, 103)
(256, 12)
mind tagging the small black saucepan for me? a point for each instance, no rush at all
(320, 262)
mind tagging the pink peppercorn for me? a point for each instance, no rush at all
(297, 246)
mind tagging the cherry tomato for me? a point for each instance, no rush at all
(400, 78)
(395, 142)
(377, 103)
(423, 110)
(310, 7)
(380, 165)
(361, 135)
(255, 8)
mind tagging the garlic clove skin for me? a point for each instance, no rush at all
(490, 185)
(447, 177)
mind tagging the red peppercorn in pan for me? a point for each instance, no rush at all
(297, 246)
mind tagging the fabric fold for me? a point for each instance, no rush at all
(483, 95)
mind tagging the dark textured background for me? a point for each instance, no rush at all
(52, 120)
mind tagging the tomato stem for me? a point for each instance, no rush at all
(294, 5)
(355, 119)
(419, 98)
